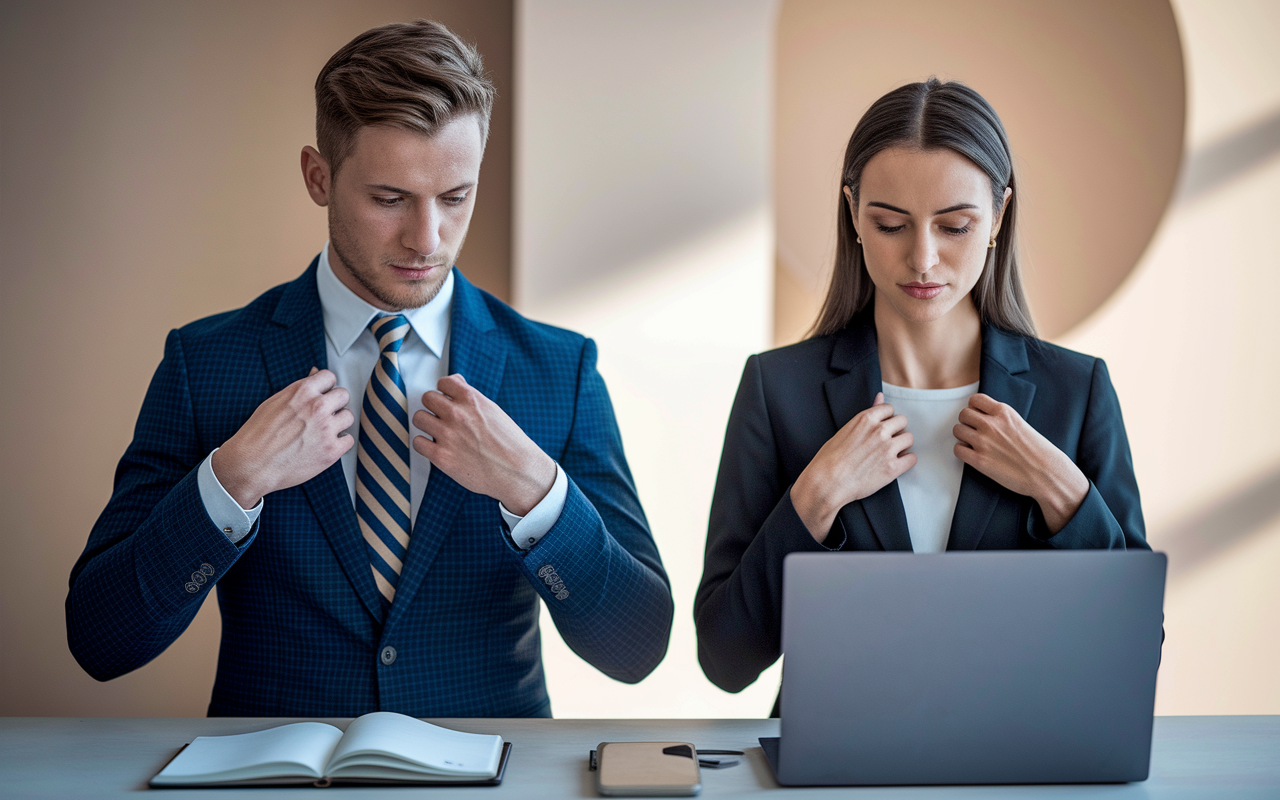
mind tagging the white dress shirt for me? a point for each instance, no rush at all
(352, 353)
(930, 489)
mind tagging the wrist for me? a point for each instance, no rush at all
(230, 472)
(531, 487)
(812, 506)
(1061, 497)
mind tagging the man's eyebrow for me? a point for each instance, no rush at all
(382, 187)
(947, 210)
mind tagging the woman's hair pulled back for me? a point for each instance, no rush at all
(929, 116)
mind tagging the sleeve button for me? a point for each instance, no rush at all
(192, 587)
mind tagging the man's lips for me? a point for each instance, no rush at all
(922, 291)
(414, 272)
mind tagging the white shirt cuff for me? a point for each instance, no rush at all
(222, 508)
(528, 530)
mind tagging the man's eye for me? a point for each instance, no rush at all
(388, 202)
(887, 229)
(455, 199)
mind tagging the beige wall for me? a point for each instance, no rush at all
(148, 177)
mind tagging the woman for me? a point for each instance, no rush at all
(922, 414)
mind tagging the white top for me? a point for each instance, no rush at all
(352, 353)
(930, 488)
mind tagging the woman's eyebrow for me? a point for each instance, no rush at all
(947, 210)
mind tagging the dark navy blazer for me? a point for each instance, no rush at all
(303, 627)
(793, 399)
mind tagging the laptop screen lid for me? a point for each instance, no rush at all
(978, 667)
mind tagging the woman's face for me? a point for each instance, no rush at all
(925, 219)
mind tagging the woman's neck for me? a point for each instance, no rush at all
(941, 354)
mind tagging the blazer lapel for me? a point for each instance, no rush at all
(849, 393)
(476, 353)
(291, 346)
(1004, 356)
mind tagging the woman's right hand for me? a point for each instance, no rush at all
(861, 459)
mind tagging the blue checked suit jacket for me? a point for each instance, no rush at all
(303, 627)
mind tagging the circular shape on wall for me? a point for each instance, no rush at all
(1092, 95)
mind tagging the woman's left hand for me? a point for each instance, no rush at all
(998, 442)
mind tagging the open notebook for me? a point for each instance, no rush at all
(381, 747)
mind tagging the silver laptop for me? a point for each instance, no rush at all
(968, 668)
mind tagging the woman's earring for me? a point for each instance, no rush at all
(859, 240)
(992, 243)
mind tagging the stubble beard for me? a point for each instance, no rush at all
(396, 297)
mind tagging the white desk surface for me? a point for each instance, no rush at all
(1192, 757)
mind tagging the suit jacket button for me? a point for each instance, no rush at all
(388, 655)
(207, 569)
(192, 587)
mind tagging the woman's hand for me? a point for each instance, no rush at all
(998, 442)
(862, 458)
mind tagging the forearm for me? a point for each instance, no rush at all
(738, 612)
(130, 595)
(611, 608)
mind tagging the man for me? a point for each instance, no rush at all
(381, 467)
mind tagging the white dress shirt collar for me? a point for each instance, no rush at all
(346, 315)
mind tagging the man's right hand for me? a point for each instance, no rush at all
(292, 437)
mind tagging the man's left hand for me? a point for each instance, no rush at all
(999, 443)
(482, 448)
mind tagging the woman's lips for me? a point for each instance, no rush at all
(922, 291)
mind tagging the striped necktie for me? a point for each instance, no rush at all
(382, 463)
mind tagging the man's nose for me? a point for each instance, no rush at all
(422, 234)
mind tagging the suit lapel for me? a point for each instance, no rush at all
(291, 346)
(477, 353)
(1004, 356)
(854, 356)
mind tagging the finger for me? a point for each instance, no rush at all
(879, 399)
(453, 386)
(345, 442)
(877, 413)
(429, 424)
(425, 447)
(322, 380)
(335, 400)
(985, 403)
(972, 418)
(965, 434)
(344, 419)
(437, 403)
(905, 462)
(901, 442)
(895, 424)
(313, 371)
(966, 454)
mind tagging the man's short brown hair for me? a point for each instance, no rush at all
(414, 75)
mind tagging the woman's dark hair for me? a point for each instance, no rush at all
(929, 116)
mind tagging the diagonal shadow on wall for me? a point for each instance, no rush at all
(1230, 157)
(1197, 538)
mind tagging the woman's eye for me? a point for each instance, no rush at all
(956, 231)
(887, 229)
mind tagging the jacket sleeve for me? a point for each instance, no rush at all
(753, 526)
(1110, 518)
(598, 568)
(154, 554)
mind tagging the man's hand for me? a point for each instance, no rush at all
(482, 448)
(292, 437)
(998, 442)
(861, 459)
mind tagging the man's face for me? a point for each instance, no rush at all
(399, 209)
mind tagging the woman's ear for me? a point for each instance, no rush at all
(853, 212)
(995, 228)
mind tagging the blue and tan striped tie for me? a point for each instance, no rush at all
(382, 463)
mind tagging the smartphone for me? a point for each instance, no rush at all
(648, 769)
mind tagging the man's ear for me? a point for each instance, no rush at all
(316, 175)
(995, 228)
